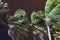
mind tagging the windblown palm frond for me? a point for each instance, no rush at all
(19, 18)
(19, 24)
(37, 20)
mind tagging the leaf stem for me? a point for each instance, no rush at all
(49, 35)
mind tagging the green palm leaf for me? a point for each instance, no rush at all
(52, 12)
(18, 23)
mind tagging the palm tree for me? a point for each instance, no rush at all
(52, 10)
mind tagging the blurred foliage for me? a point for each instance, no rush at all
(3, 8)
(19, 18)
(37, 19)
(56, 29)
(52, 12)
(20, 22)
(52, 9)
(3, 11)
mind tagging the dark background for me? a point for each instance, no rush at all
(27, 5)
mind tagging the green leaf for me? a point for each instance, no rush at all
(37, 18)
(52, 9)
